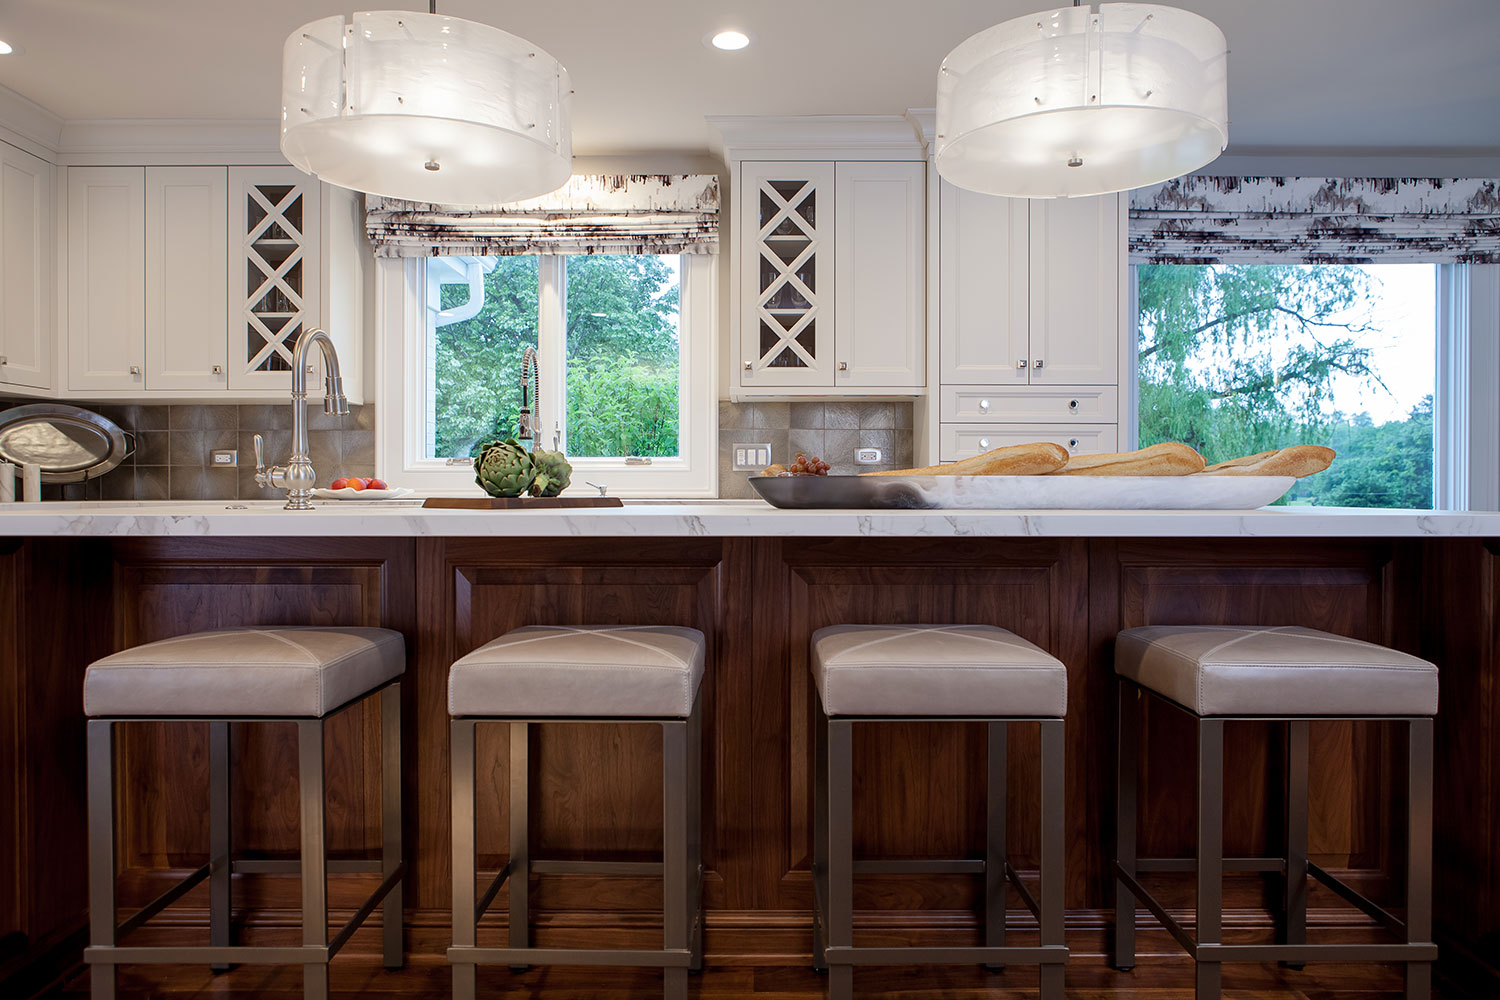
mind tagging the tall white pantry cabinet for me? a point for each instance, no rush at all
(26, 240)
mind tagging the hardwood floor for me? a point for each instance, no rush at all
(427, 977)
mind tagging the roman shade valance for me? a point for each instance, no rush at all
(1316, 220)
(592, 213)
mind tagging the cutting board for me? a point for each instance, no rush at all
(520, 503)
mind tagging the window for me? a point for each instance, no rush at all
(625, 345)
(1236, 359)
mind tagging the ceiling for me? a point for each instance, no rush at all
(1386, 75)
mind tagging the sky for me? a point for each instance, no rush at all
(1404, 341)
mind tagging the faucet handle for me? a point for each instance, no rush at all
(260, 459)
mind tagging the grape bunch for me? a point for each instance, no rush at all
(804, 466)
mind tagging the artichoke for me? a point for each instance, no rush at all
(553, 473)
(504, 468)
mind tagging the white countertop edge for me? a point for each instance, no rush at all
(720, 519)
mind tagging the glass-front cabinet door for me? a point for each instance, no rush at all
(786, 273)
(274, 212)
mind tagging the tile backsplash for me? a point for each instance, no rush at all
(173, 444)
(829, 430)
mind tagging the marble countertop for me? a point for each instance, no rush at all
(718, 518)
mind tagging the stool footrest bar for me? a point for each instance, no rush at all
(561, 867)
(163, 901)
(1055, 954)
(279, 866)
(671, 958)
(228, 955)
(387, 884)
(1277, 865)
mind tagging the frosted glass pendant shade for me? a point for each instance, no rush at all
(1075, 102)
(425, 107)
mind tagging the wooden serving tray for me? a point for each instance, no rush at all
(519, 503)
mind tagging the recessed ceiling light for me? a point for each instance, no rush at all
(730, 39)
(6, 48)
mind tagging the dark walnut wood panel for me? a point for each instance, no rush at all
(596, 789)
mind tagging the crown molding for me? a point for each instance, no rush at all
(29, 126)
(924, 120)
(777, 137)
(150, 142)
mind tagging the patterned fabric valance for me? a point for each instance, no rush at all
(592, 213)
(1316, 220)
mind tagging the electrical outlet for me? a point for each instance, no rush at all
(750, 457)
(867, 456)
(225, 459)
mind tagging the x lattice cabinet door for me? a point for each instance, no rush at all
(786, 274)
(274, 295)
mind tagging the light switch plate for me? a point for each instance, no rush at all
(867, 456)
(749, 457)
(225, 459)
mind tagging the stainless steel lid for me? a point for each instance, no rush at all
(70, 444)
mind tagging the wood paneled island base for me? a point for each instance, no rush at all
(920, 788)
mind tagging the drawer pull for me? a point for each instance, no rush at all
(1072, 404)
(1073, 443)
(984, 404)
(984, 442)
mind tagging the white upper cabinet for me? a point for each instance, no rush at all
(880, 274)
(275, 221)
(1076, 268)
(787, 255)
(187, 277)
(26, 224)
(106, 324)
(983, 295)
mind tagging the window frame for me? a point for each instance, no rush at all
(1465, 408)
(405, 361)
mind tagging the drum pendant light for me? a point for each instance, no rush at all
(1082, 101)
(425, 107)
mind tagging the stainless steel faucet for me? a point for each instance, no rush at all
(297, 477)
(531, 392)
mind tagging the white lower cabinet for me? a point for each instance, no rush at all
(106, 299)
(959, 441)
(26, 228)
(187, 278)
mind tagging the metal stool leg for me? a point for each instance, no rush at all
(391, 849)
(1054, 834)
(840, 791)
(1419, 852)
(520, 851)
(995, 847)
(221, 847)
(820, 841)
(1210, 853)
(675, 853)
(1295, 928)
(314, 855)
(695, 834)
(461, 772)
(1127, 762)
(101, 798)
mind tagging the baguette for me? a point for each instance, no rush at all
(1299, 460)
(1033, 459)
(1168, 459)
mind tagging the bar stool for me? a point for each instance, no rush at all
(925, 673)
(646, 674)
(301, 675)
(1294, 676)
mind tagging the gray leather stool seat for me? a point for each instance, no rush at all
(1292, 676)
(286, 672)
(303, 675)
(873, 673)
(558, 673)
(1233, 670)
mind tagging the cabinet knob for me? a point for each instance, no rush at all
(4, 360)
(984, 404)
(135, 369)
(843, 366)
(1021, 364)
(984, 442)
(1072, 404)
(1037, 363)
(1072, 442)
(218, 369)
(749, 366)
(312, 369)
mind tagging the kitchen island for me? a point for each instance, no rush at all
(80, 580)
